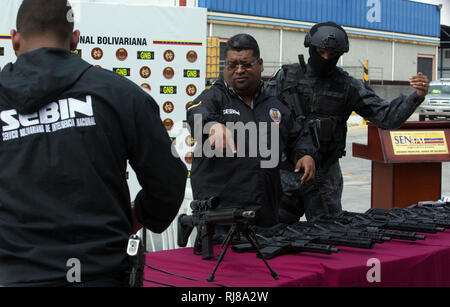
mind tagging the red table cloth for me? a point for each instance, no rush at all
(401, 263)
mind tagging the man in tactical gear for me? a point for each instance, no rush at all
(322, 97)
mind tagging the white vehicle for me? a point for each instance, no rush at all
(437, 101)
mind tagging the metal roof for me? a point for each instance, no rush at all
(401, 16)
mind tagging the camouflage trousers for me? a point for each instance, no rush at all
(321, 196)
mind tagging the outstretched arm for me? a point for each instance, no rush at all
(389, 115)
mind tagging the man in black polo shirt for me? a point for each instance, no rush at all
(247, 130)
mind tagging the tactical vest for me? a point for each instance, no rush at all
(321, 104)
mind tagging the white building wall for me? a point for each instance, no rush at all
(406, 58)
(446, 60)
(377, 52)
(293, 46)
(380, 53)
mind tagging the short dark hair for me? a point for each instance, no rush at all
(51, 17)
(241, 42)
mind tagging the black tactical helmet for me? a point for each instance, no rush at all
(328, 35)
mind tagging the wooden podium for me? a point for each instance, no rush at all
(406, 163)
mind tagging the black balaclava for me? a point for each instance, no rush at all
(320, 66)
(330, 36)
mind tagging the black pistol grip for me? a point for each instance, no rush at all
(207, 242)
(198, 245)
(184, 229)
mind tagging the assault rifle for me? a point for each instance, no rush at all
(437, 205)
(433, 212)
(401, 219)
(387, 220)
(275, 246)
(310, 233)
(330, 223)
(366, 224)
(321, 235)
(424, 215)
(205, 216)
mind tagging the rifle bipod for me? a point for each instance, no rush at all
(249, 234)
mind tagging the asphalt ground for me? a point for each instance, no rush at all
(357, 173)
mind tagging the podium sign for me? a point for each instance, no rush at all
(419, 142)
(406, 162)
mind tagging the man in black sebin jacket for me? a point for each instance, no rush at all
(245, 176)
(68, 129)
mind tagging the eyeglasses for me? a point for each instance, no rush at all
(233, 65)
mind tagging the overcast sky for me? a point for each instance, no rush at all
(445, 11)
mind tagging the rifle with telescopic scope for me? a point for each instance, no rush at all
(205, 216)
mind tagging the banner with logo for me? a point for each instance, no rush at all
(161, 49)
(419, 142)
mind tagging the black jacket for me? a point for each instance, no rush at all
(68, 129)
(241, 181)
(335, 97)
